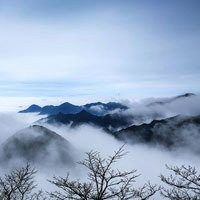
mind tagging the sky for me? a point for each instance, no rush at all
(83, 51)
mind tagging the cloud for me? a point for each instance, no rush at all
(142, 113)
(11, 122)
(88, 138)
(149, 161)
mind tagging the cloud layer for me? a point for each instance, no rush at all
(150, 162)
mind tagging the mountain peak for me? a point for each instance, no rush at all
(66, 104)
(96, 108)
(84, 113)
(185, 95)
(170, 100)
(32, 108)
(34, 144)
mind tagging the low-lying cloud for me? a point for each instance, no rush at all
(12, 122)
(149, 161)
(143, 112)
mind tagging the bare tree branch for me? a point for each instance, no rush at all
(104, 182)
(183, 183)
(19, 185)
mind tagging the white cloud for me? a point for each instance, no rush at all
(150, 162)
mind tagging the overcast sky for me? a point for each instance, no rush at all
(96, 49)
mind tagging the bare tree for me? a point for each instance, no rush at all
(19, 185)
(183, 183)
(40, 195)
(104, 182)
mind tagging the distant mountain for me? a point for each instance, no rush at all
(184, 95)
(37, 145)
(67, 108)
(52, 110)
(170, 100)
(33, 108)
(103, 108)
(108, 122)
(64, 108)
(174, 132)
(97, 108)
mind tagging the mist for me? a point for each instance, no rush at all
(83, 52)
(11, 122)
(147, 110)
(150, 161)
(87, 138)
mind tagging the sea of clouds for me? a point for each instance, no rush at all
(149, 161)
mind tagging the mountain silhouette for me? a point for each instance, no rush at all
(67, 108)
(170, 100)
(52, 110)
(107, 122)
(174, 132)
(33, 108)
(38, 145)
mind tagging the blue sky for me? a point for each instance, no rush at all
(99, 49)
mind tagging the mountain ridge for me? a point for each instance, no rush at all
(97, 108)
(173, 132)
(106, 122)
(170, 100)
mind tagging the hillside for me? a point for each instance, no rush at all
(38, 145)
(174, 132)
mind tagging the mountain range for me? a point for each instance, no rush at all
(98, 108)
(107, 122)
(170, 132)
(175, 132)
(44, 147)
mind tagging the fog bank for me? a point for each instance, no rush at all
(149, 161)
